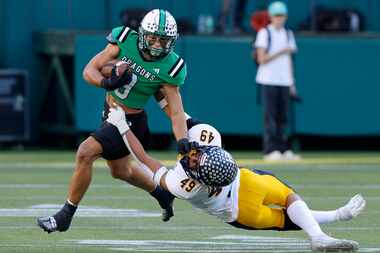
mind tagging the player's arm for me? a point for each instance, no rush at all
(116, 117)
(120, 75)
(264, 57)
(138, 152)
(163, 104)
(175, 111)
(177, 117)
(92, 72)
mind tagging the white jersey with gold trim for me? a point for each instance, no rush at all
(221, 202)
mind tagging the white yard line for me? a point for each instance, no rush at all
(240, 244)
(116, 186)
(178, 228)
(234, 243)
(83, 211)
(59, 186)
(318, 164)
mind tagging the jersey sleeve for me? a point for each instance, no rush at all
(261, 39)
(119, 35)
(176, 73)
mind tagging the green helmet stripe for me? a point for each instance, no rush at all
(162, 22)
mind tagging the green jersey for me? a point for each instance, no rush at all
(148, 76)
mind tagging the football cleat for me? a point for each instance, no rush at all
(352, 209)
(273, 156)
(168, 212)
(48, 224)
(328, 244)
(60, 221)
(290, 156)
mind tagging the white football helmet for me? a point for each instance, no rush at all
(205, 135)
(161, 23)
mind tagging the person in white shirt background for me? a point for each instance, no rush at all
(274, 47)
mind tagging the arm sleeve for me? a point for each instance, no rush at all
(261, 39)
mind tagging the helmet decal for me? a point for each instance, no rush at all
(162, 21)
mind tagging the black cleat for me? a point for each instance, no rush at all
(167, 213)
(60, 221)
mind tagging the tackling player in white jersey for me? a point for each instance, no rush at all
(209, 179)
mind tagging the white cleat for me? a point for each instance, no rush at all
(328, 244)
(352, 209)
(291, 156)
(273, 156)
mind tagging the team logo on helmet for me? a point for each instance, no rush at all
(215, 167)
(160, 23)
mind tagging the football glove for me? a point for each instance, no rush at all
(184, 146)
(117, 80)
(116, 117)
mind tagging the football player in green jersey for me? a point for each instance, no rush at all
(147, 64)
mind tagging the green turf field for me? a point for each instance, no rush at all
(115, 217)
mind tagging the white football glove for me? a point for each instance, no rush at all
(116, 117)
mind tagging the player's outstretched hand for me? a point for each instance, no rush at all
(120, 75)
(184, 146)
(116, 117)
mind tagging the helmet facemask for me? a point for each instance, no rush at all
(148, 39)
(210, 165)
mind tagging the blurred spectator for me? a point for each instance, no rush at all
(235, 8)
(259, 20)
(325, 19)
(274, 46)
(132, 17)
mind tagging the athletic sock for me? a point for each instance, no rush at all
(163, 197)
(324, 217)
(300, 214)
(64, 216)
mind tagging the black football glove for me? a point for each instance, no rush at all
(184, 146)
(115, 82)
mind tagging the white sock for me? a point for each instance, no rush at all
(300, 214)
(324, 217)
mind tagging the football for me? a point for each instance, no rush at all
(107, 68)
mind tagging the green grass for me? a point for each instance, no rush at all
(326, 180)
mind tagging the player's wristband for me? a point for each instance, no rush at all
(158, 175)
(163, 103)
